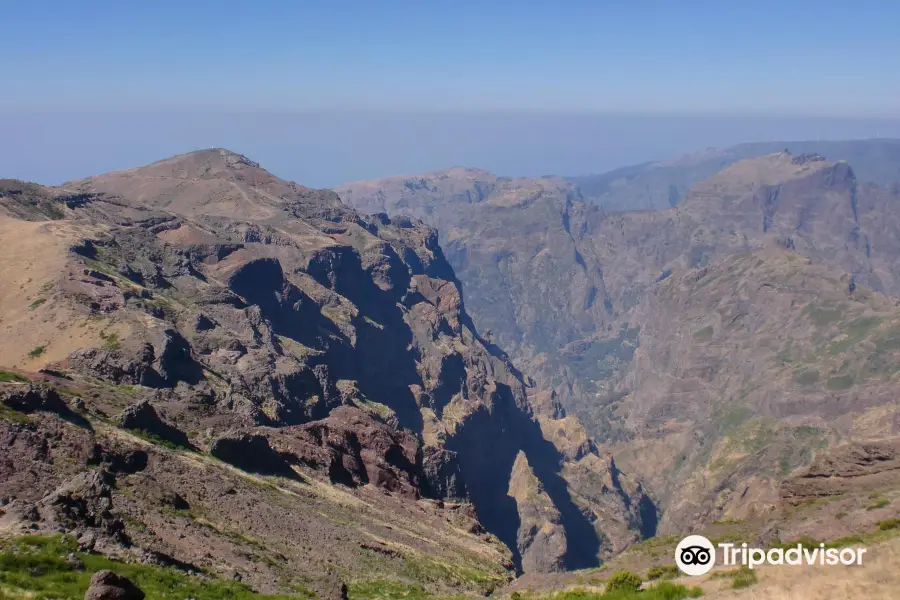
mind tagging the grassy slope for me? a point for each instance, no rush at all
(40, 568)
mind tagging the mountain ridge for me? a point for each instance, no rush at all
(662, 184)
(208, 302)
(520, 267)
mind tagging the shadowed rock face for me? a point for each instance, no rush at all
(282, 331)
(251, 452)
(143, 417)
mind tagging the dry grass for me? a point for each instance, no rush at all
(34, 259)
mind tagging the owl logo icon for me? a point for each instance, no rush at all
(695, 555)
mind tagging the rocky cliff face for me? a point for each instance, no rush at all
(585, 301)
(746, 369)
(280, 331)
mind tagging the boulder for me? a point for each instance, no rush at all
(106, 585)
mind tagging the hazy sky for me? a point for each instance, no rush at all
(308, 84)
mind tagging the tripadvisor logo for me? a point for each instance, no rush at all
(696, 555)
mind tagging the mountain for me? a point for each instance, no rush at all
(211, 367)
(662, 184)
(744, 369)
(603, 308)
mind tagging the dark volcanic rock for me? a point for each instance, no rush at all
(252, 453)
(141, 416)
(175, 361)
(442, 474)
(132, 366)
(127, 462)
(106, 585)
(203, 323)
(162, 362)
(85, 501)
(161, 559)
(35, 398)
(354, 448)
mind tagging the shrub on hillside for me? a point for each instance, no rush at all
(662, 572)
(623, 581)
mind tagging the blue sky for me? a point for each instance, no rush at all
(800, 59)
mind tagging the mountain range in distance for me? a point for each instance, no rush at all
(209, 369)
(662, 184)
(714, 343)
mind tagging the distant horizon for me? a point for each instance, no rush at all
(325, 149)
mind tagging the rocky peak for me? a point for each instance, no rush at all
(208, 163)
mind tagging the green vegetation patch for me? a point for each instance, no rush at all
(13, 416)
(386, 590)
(807, 431)
(862, 326)
(8, 377)
(664, 590)
(889, 341)
(740, 578)
(705, 334)
(623, 581)
(878, 504)
(823, 316)
(731, 418)
(36, 567)
(37, 351)
(841, 382)
(662, 572)
(428, 570)
(806, 377)
(111, 341)
(855, 332)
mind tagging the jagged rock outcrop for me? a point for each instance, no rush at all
(127, 461)
(141, 416)
(353, 448)
(35, 398)
(541, 534)
(854, 467)
(84, 503)
(443, 478)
